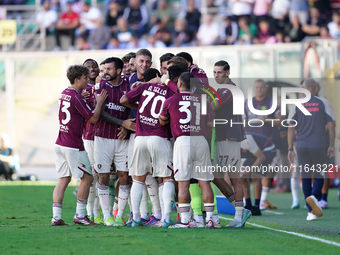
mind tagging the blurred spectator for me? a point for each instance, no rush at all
(324, 8)
(164, 62)
(208, 31)
(264, 32)
(6, 158)
(299, 8)
(90, 18)
(312, 28)
(247, 31)
(228, 31)
(100, 37)
(124, 33)
(241, 8)
(47, 17)
(192, 16)
(279, 12)
(261, 9)
(278, 38)
(162, 33)
(137, 16)
(334, 26)
(77, 6)
(113, 14)
(113, 44)
(82, 44)
(66, 25)
(182, 35)
(163, 13)
(324, 32)
(136, 43)
(154, 43)
(296, 34)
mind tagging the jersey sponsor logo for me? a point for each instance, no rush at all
(148, 120)
(113, 106)
(63, 128)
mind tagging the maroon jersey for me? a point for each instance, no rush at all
(113, 107)
(73, 110)
(89, 128)
(151, 97)
(184, 111)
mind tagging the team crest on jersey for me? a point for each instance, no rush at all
(99, 166)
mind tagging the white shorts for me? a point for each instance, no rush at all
(89, 147)
(151, 153)
(107, 151)
(71, 162)
(192, 159)
(130, 148)
(227, 158)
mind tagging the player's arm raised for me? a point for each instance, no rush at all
(97, 111)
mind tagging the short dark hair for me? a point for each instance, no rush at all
(166, 57)
(175, 72)
(92, 60)
(144, 52)
(185, 79)
(102, 63)
(116, 61)
(226, 66)
(186, 56)
(76, 71)
(150, 74)
(179, 61)
(128, 56)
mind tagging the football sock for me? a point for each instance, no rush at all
(317, 187)
(136, 197)
(91, 198)
(295, 187)
(115, 205)
(168, 193)
(264, 194)
(112, 192)
(153, 190)
(196, 201)
(81, 208)
(238, 210)
(143, 208)
(56, 208)
(209, 208)
(160, 194)
(183, 209)
(96, 205)
(103, 194)
(248, 202)
(123, 197)
(324, 196)
(215, 217)
(231, 199)
(198, 218)
(257, 203)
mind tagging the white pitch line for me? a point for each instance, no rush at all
(291, 233)
(276, 213)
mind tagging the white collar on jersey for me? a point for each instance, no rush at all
(115, 85)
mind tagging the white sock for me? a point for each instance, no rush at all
(215, 218)
(209, 208)
(295, 187)
(153, 190)
(81, 208)
(123, 196)
(115, 205)
(136, 197)
(168, 193)
(161, 202)
(96, 205)
(198, 218)
(56, 208)
(144, 210)
(264, 194)
(238, 213)
(91, 198)
(103, 194)
(183, 209)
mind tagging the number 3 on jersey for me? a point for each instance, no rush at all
(64, 109)
(185, 108)
(149, 95)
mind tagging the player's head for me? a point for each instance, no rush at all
(311, 85)
(174, 72)
(260, 88)
(113, 68)
(186, 56)
(183, 83)
(179, 61)
(92, 65)
(78, 75)
(4, 141)
(164, 61)
(151, 73)
(102, 69)
(143, 61)
(126, 61)
(221, 71)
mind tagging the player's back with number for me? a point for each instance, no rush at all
(151, 97)
(73, 109)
